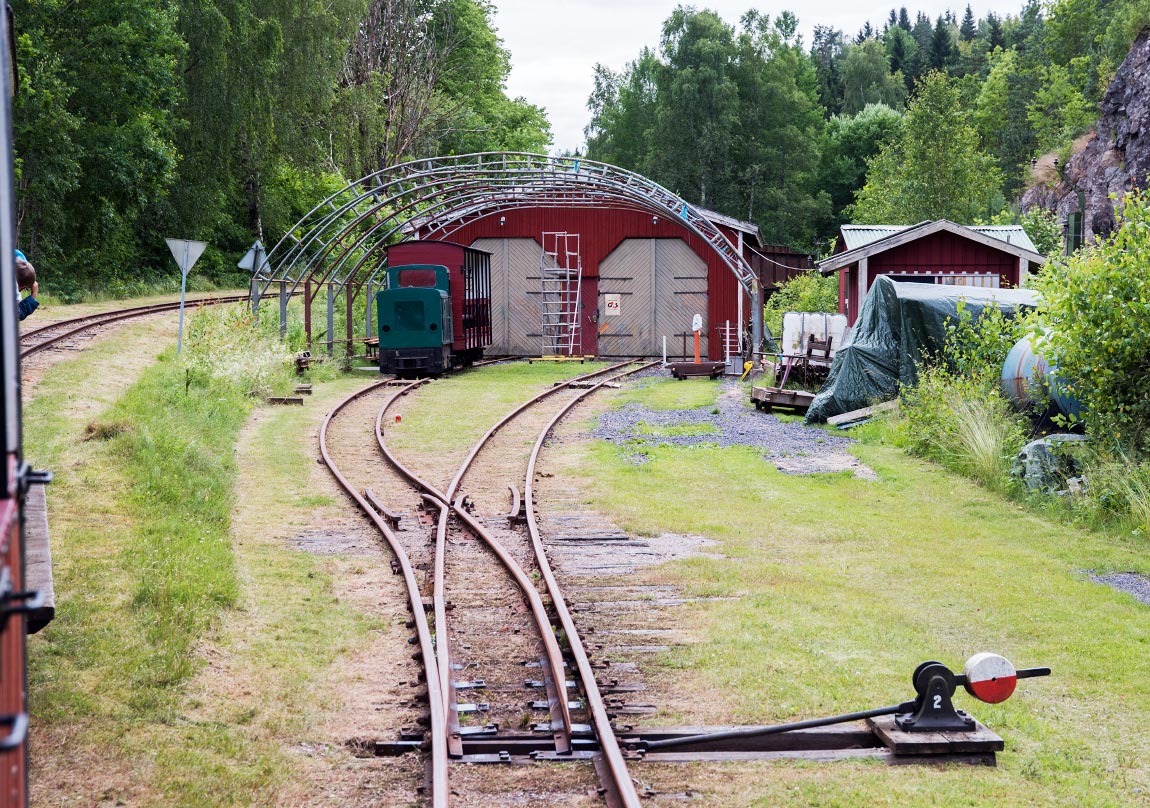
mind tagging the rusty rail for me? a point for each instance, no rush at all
(554, 675)
(553, 653)
(612, 769)
(453, 488)
(79, 324)
(439, 752)
(620, 788)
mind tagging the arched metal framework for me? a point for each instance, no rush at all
(341, 240)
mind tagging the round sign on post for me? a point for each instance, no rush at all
(990, 677)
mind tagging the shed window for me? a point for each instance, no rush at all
(983, 281)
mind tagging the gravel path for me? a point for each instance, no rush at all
(791, 446)
(1129, 582)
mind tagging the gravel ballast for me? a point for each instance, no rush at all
(791, 446)
(1132, 583)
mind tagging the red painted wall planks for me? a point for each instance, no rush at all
(942, 253)
(946, 253)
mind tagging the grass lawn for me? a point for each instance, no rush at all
(451, 414)
(838, 587)
(176, 672)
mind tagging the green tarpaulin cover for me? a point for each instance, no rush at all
(900, 324)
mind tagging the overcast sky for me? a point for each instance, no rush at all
(555, 44)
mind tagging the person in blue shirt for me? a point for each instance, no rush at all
(26, 279)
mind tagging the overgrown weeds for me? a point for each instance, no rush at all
(227, 345)
(958, 416)
(1116, 491)
(958, 422)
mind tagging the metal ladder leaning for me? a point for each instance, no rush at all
(561, 276)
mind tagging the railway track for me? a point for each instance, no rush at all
(485, 602)
(34, 340)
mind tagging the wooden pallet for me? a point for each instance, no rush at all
(768, 398)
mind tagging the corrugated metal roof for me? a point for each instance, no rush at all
(859, 235)
(730, 221)
(1010, 233)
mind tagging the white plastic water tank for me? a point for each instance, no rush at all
(799, 326)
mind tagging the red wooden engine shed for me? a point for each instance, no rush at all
(939, 252)
(643, 278)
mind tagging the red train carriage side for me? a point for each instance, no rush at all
(16, 476)
(469, 273)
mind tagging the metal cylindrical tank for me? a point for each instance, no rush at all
(1028, 378)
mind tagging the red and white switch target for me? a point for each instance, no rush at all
(989, 677)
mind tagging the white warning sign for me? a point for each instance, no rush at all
(611, 304)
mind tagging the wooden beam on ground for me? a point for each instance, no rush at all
(865, 412)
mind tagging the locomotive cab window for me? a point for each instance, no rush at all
(423, 277)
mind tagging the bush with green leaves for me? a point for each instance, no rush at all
(1039, 224)
(1096, 305)
(977, 347)
(808, 291)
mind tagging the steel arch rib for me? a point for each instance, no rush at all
(336, 239)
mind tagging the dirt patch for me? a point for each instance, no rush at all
(328, 541)
(591, 557)
(827, 463)
(67, 769)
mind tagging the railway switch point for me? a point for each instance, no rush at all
(928, 728)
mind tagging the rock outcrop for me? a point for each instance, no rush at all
(1116, 159)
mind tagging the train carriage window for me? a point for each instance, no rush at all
(423, 278)
(409, 315)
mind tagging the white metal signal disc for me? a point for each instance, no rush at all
(990, 677)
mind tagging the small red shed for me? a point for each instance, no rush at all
(929, 252)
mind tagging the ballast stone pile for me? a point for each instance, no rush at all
(1131, 583)
(792, 447)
